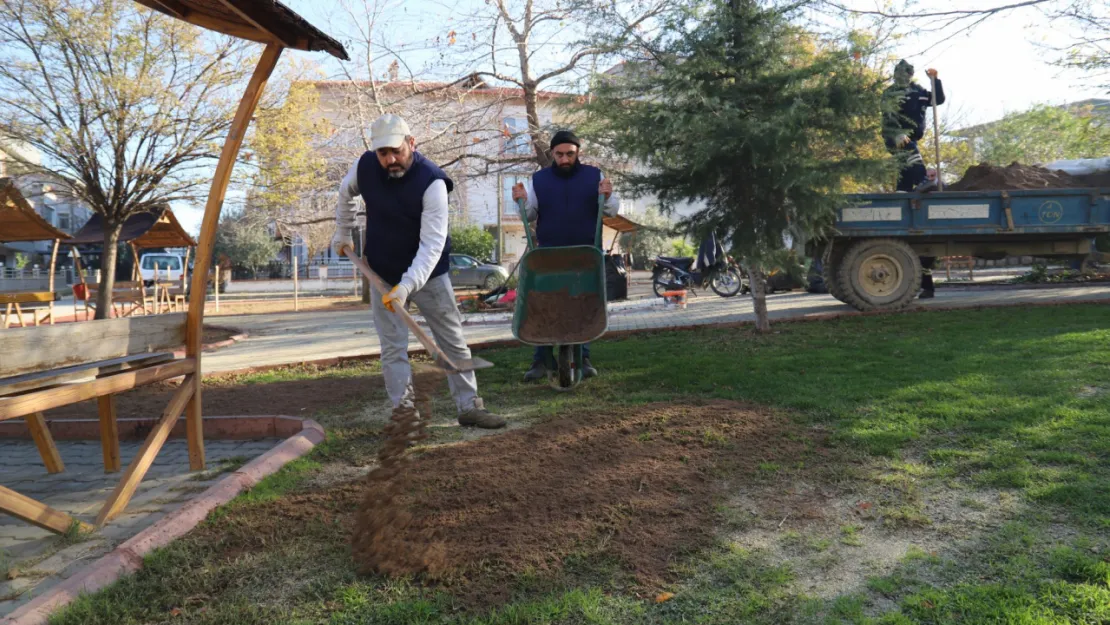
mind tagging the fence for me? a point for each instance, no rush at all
(34, 279)
(278, 270)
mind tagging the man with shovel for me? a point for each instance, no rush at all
(904, 123)
(903, 126)
(406, 244)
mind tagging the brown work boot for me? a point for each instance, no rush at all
(478, 416)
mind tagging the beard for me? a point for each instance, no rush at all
(566, 170)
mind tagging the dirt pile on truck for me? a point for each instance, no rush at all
(1016, 176)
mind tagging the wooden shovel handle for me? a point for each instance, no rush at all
(383, 288)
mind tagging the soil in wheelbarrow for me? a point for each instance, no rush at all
(637, 486)
(557, 317)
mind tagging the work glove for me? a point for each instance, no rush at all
(396, 298)
(341, 239)
(902, 141)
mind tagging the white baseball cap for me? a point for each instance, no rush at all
(388, 131)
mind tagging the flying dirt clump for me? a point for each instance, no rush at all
(383, 541)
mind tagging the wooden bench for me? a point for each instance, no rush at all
(51, 366)
(959, 262)
(10, 300)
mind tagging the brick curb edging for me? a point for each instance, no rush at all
(128, 557)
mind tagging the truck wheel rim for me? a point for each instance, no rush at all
(880, 275)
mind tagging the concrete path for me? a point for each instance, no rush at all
(288, 338)
(32, 559)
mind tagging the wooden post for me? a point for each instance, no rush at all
(109, 432)
(45, 443)
(195, 323)
(136, 274)
(123, 492)
(53, 268)
(35, 513)
(184, 275)
(296, 300)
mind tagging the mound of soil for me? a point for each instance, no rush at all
(638, 486)
(987, 177)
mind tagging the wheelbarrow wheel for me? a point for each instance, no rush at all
(566, 366)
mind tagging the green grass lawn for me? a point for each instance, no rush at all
(968, 483)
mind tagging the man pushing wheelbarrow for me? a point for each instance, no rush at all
(561, 297)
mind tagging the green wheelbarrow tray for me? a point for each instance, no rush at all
(561, 296)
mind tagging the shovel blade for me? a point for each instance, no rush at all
(460, 366)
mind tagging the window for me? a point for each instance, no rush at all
(64, 222)
(162, 263)
(48, 214)
(515, 139)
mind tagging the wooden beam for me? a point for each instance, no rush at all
(195, 323)
(194, 432)
(78, 373)
(35, 513)
(68, 344)
(20, 405)
(263, 21)
(45, 442)
(109, 432)
(119, 498)
(53, 268)
(172, 7)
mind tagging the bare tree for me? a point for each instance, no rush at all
(1087, 20)
(539, 46)
(124, 104)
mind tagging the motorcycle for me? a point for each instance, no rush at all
(715, 269)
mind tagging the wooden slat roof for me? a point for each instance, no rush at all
(20, 222)
(264, 21)
(145, 230)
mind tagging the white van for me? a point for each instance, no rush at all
(169, 267)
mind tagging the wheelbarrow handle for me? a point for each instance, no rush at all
(383, 288)
(527, 227)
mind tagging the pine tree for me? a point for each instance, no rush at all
(749, 116)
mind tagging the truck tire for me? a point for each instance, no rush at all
(830, 273)
(879, 274)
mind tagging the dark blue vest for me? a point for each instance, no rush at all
(567, 206)
(393, 210)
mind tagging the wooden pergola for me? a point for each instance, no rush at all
(48, 367)
(20, 223)
(141, 231)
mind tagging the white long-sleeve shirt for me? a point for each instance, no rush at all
(532, 206)
(433, 226)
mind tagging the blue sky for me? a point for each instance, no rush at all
(1001, 66)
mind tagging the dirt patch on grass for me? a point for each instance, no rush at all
(294, 398)
(639, 487)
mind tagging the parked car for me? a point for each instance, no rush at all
(168, 265)
(466, 271)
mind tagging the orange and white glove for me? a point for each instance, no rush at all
(396, 298)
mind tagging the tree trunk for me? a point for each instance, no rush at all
(108, 261)
(759, 295)
(531, 108)
(365, 289)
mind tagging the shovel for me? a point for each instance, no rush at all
(442, 361)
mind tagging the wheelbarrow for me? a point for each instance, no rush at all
(560, 301)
